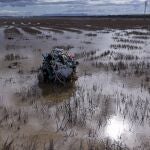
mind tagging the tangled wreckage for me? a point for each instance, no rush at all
(58, 67)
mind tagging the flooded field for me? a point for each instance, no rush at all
(107, 107)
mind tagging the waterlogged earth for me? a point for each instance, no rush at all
(107, 107)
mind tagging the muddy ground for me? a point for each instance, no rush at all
(107, 107)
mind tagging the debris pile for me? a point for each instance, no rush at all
(58, 66)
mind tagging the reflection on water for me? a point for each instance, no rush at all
(57, 93)
(116, 127)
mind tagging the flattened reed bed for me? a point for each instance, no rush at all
(85, 54)
(86, 42)
(69, 29)
(12, 57)
(61, 30)
(127, 68)
(120, 56)
(141, 37)
(11, 33)
(51, 29)
(91, 34)
(112, 56)
(10, 47)
(125, 46)
(67, 47)
(138, 33)
(31, 30)
(124, 40)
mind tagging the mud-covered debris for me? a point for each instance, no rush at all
(58, 66)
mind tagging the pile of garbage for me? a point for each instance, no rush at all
(58, 66)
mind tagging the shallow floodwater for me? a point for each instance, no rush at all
(107, 107)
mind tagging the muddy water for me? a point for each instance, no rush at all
(106, 107)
